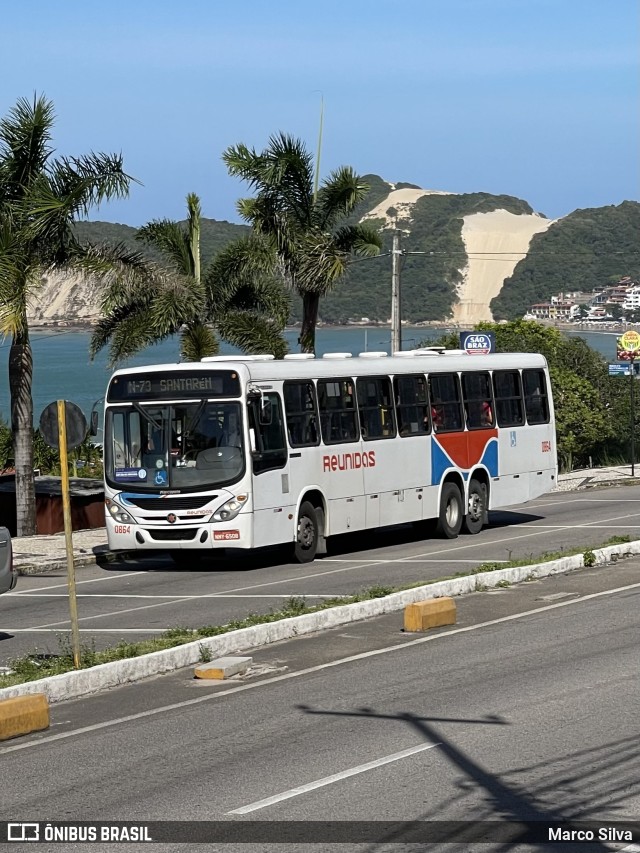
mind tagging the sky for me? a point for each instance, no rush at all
(537, 99)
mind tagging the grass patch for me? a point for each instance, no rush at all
(38, 665)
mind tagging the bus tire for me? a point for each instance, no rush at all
(451, 512)
(307, 534)
(476, 508)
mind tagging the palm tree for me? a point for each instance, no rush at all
(40, 199)
(246, 306)
(306, 229)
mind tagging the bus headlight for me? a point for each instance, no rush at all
(230, 509)
(118, 514)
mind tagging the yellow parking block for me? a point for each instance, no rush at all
(432, 613)
(223, 667)
(23, 714)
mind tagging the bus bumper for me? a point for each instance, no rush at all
(186, 537)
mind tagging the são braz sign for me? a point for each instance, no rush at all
(477, 343)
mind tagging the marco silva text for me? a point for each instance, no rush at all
(601, 833)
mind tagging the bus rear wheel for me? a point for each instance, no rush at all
(307, 534)
(451, 512)
(476, 507)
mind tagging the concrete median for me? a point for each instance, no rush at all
(82, 682)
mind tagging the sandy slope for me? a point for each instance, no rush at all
(494, 242)
(65, 297)
(403, 201)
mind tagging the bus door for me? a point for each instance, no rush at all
(271, 492)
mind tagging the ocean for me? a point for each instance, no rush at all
(62, 370)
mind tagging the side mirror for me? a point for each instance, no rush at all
(93, 424)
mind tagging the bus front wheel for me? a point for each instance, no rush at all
(476, 507)
(307, 534)
(451, 513)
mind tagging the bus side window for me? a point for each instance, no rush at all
(412, 405)
(478, 401)
(444, 390)
(301, 413)
(336, 401)
(536, 401)
(507, 389)
(375, 407)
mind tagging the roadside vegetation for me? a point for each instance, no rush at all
(37, 665)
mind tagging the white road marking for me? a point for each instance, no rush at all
(176, 706)
(110, 577)
(87, 630)
(177, 597)
(329, 780)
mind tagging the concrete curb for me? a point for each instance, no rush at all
(72, 685)
(99, 555)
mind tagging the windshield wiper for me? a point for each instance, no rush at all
(155, 424)
(188, 431)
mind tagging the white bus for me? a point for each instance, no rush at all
(249, 451)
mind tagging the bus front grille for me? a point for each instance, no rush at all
(173, 535)
(168, 504)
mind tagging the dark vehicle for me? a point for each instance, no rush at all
(8, 574)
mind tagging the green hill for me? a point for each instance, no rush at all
(214, 236)
(585, 249)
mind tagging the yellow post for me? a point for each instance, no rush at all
(66, 511)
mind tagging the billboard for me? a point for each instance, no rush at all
(628, 346)
(477, 343)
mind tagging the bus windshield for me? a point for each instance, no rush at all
(187, 446)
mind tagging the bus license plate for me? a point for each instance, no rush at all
(222, 535)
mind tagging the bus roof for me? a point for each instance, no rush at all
(266, 368)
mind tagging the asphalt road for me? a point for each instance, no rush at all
(525, 710)
(136, 599)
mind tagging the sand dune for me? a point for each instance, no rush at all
(402, 201)
(495, 242)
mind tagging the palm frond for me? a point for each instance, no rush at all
(193, 230)
(172, 240)
(25, 144)
(282, 175)
(321, 263)
(339, 194)
(126, 334)
(179, 301)
(198, 341)
(362, 240)
(245, 275)
(252, 333)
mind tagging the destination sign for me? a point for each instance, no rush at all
(173, 385)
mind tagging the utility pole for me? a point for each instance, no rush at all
(396, 327)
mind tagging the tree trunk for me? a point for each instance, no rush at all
(307, 339)
(20, 378)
